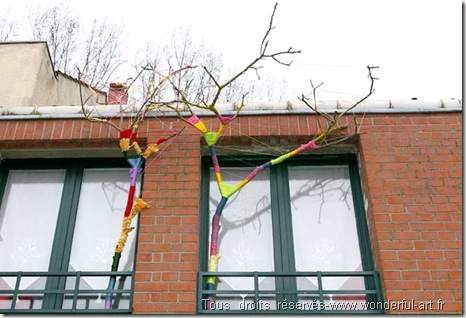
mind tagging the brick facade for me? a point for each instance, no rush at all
(411, 168)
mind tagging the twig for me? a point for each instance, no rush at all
(371, 90)
(87, 114)
(263, 54)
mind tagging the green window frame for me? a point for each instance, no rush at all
(285, 274)
(57, 288)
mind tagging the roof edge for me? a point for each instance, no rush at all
(251, 109)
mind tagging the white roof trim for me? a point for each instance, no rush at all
(257, 108)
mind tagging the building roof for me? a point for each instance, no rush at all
(56, 72)
(95, 89)
(28, 77)
(368, 106)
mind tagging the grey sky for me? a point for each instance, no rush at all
(416, 43)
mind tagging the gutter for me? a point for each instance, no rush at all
(253, 109)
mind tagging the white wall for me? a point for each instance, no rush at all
(27, 78)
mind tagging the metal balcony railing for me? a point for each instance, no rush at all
(285, 293)
(63, 292)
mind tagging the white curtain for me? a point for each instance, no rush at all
(102, 203)
(324, 225)
(245, 240)
(28, 217)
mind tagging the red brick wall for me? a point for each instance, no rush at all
(411, 169)
(413, 180)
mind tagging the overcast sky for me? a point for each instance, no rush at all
(416, 44)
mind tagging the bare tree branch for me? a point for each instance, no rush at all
(88, 113)
(59, 27)
(102, 52)
(263, 55)
(333, 121)
(7, 26)
(371, 90)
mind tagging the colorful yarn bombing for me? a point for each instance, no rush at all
(133, 207)
(227, 190)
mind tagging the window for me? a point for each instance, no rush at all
(59, 222)
(294, 239)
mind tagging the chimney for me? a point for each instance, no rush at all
(117, 94)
